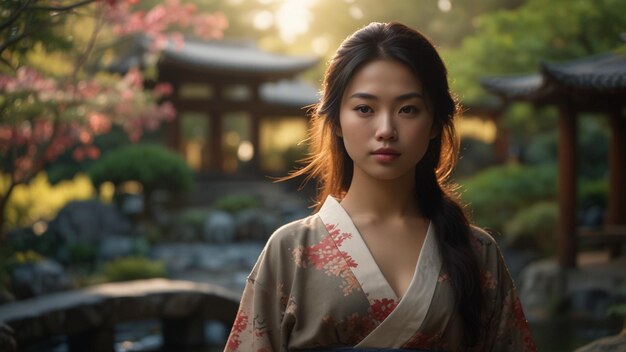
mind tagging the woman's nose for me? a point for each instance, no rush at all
(386, 129)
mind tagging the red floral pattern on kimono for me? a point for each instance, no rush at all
(326, 256)
(359, 325)
(240, 324)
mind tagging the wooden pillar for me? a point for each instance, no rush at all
(173, 127)
(215, 142)
(501, 142)
(255, 129)
(616, 212)
(255, 139)
(566, 233)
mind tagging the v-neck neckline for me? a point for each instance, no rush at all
(367, 271)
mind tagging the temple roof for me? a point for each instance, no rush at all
(289, 92)
(601, 75)
(221, 58)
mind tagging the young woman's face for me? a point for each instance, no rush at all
(386, 121)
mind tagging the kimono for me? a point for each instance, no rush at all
(316, 286)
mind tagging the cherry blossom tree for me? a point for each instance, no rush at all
(42, 115)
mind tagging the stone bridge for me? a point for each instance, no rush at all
(88, 316)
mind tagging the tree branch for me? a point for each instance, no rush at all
(80, 61)
(14, 15)
(63, 8)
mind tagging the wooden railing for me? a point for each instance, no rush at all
(88, 316)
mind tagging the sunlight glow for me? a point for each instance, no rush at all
(263, 20)
(356, 12)
(245, 152)
(444, 5)
(320, 45)
(293, 18)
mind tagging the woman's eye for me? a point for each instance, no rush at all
(363, 109)
(408, 110)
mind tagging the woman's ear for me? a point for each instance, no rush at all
(338, 132)
(435, 130)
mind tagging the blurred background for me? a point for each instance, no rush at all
(141, 140)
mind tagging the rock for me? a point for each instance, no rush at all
(7, 339)
(219, 227)
(38, 278)
(88, 222)
(255, 224)
(115, 246)
(540, 283)
(606, 344)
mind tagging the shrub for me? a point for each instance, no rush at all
(153, 166)
(534, 227)
(496, 194)
(133, 268)
(236, 203)
(593, 193)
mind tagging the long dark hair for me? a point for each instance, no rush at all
(331, 165)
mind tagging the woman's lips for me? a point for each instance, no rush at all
(385, 154)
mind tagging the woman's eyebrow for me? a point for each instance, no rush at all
(402, 97)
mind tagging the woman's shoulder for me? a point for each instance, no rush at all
(484, 244)
(481, 235)
(297, 232)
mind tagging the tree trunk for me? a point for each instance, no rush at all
(3, 204)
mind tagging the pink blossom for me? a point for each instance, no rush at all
(99, 123)
(163, 89)
(167, 110)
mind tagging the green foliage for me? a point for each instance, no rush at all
(153, 166)
(30, 28)
(534, 227)
(133, 268)
(619, 310)
(194, 218)
(593, 193)
(497, 194)
(514, 41)
(236, 203)
(77, 253)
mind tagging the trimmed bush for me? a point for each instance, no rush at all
(133, 268)
(497, 194)
(153, 166)
(534, 227)
(236, 203)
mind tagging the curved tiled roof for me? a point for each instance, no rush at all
(220, 57)
(599, 75)
(514, 87)
(223, 56)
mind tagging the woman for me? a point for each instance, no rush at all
(389, 261)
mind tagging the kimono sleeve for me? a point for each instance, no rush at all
(257, 324)
(506, 325)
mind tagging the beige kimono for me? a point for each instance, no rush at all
(316, 286)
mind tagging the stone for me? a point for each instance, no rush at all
(606, 344)
(115, 246)
(219, 227)
(7, 339)
(38, 278)
(88, 222)
(255, 224)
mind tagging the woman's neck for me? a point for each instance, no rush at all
(381, 199)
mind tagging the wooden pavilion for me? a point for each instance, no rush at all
(222, 84)
(592, 84)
